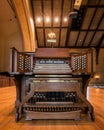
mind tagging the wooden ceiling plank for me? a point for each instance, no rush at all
(101, 40)
(90, 23)
(96, 29)
(95, 6)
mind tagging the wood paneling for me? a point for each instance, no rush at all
(52, 52)
(6, 81)
(25, 19)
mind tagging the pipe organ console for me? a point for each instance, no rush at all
(51, 87)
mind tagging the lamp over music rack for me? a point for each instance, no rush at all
(51, 38)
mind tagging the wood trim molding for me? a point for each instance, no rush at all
(25, 18)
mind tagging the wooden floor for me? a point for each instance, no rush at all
(7, 114)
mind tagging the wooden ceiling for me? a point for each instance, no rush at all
(86, 30)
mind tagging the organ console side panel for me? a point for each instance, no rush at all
(52, 86)
(20, 62)
(13, 60)
(82, 63)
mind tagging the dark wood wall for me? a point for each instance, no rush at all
(52, 52)
(6, 81)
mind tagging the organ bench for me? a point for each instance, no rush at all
(52, 87)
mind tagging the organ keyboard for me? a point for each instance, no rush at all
(51, 87)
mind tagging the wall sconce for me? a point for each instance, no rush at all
(97, 76)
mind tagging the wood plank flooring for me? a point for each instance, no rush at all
(7, 114)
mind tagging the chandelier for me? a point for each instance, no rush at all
(51, 35)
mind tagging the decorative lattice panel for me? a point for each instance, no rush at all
(23, 63)
(79, 63)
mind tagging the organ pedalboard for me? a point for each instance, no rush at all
(52, 88)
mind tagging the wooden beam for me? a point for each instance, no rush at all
(77, 38)
(42, 6)
(36, 34)
(101, 40)
(62, 4)
(25, 19)
(65, 27)
(36, 37)
(93, 6)
(52, 14)
(69, 24)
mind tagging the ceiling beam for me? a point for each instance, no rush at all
(77, 38)
(52, 14)
(36, 34)
(71, 47)
(42, 6)
(65, 27)
(69, 24)
(95, 6)
(62, 4)
(36, 37)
